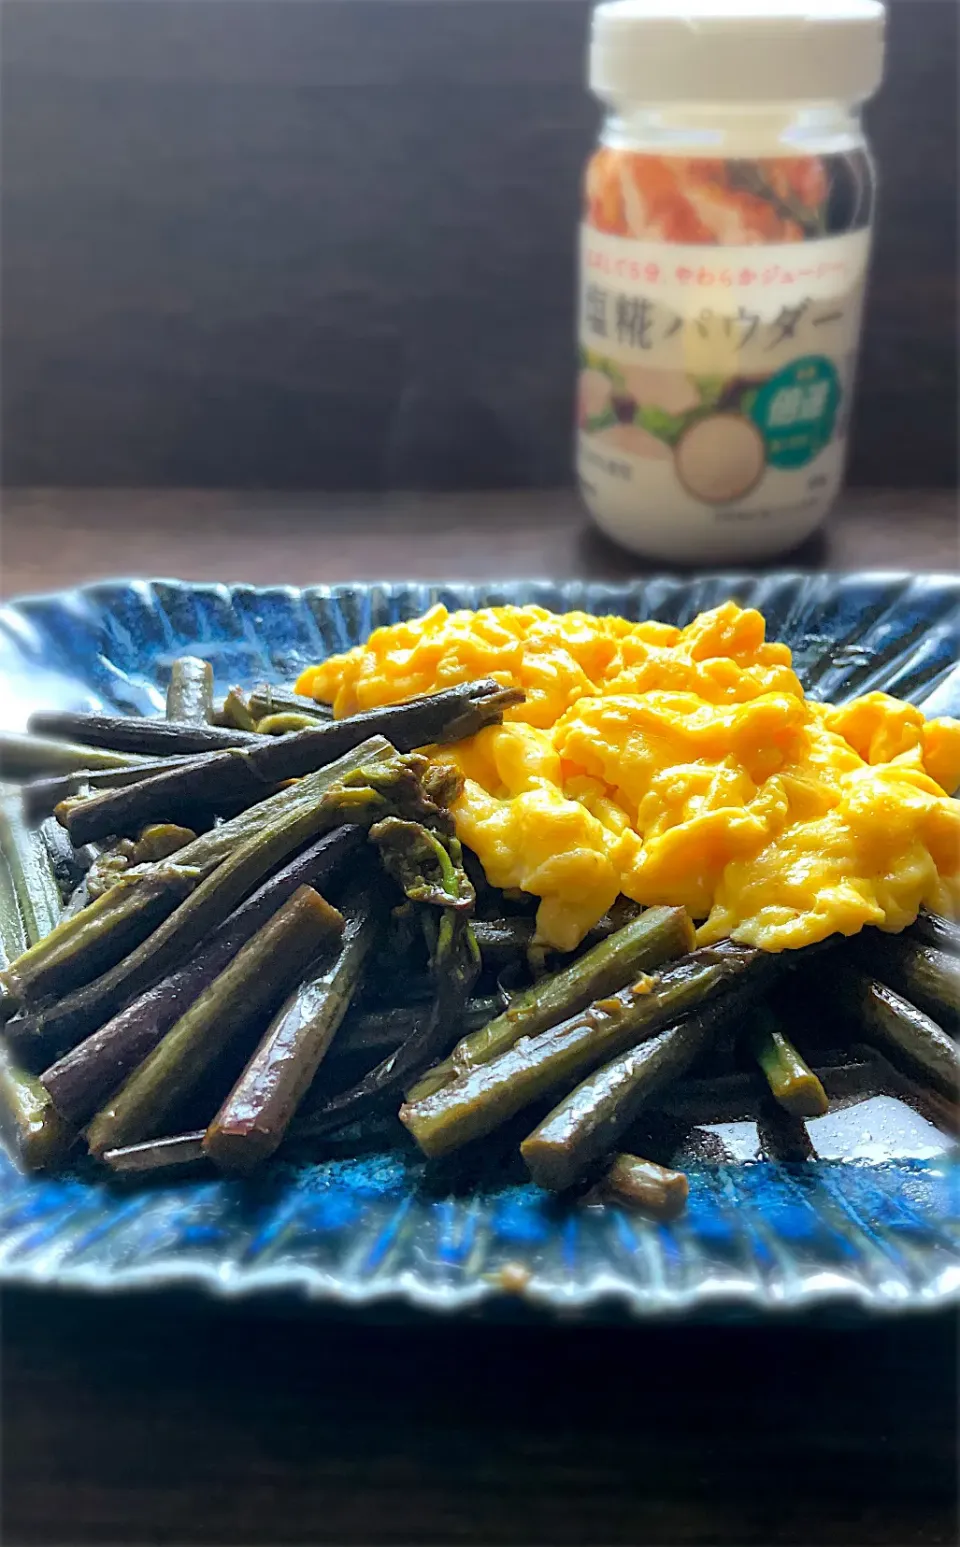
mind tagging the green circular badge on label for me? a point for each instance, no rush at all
(796, 410)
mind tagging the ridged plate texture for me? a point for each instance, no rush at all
(757, 1237)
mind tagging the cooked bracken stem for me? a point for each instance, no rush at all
(933, 929)
(135, 733)
(83, 1079)
(645, 1186)
(455, 963)
(55, 1028)
(268, 699)
(30, 868)
(791, 1080)
(553, 1062)
(504, 940)
(655, 937)
(94, 940)
(253, 1119)
(28, 1117)
(911, 1037)
(214, 781)
(190, 691)
(375, 1033)
(589, 1122)
(284, 724)
(42, 796)
(247, 774)
(211, 848)
(257, 979)
(13, 935)
(24, 755)
(69, 865)
(235, 712)
(922, 973)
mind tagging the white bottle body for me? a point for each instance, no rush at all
(724, 253)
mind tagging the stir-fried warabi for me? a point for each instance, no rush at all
(257, 921)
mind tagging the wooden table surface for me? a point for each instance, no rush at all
(174, 1420)
(56, 538)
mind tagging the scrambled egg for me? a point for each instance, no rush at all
(679, 766)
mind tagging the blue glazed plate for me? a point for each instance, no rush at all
(881, 1231)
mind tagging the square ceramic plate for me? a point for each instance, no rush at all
(880, 1230)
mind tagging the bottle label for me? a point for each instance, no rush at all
(719, 314)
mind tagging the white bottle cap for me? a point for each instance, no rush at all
(746, 51)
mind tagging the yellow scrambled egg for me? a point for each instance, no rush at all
(678, 766)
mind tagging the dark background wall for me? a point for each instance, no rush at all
(332, 243)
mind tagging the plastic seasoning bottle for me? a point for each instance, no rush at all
(724, 249)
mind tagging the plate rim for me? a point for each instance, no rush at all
(603, 1294)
